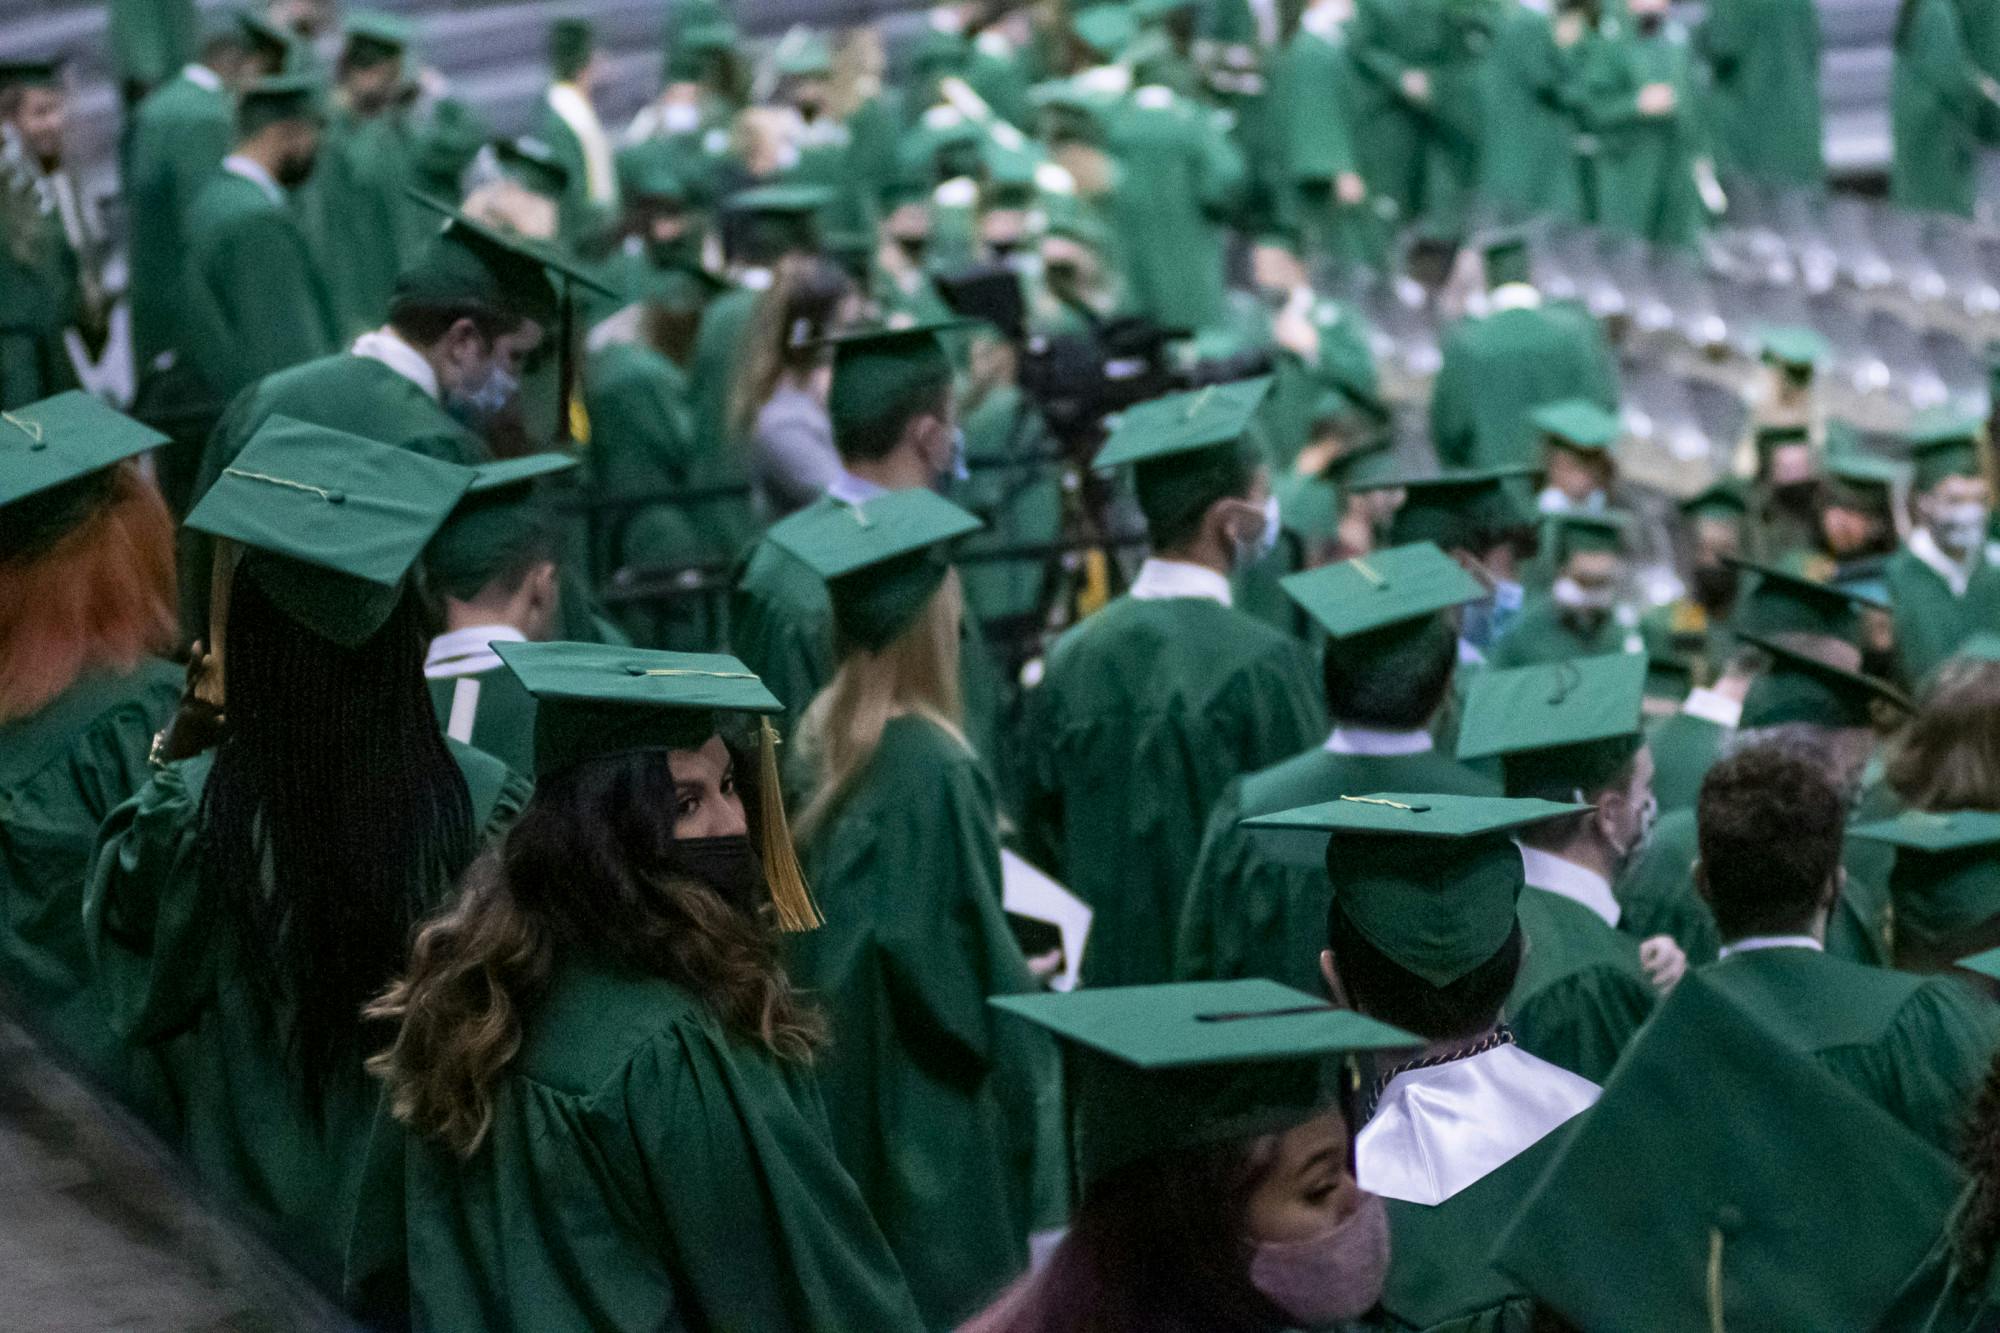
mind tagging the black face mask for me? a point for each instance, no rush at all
(913, 247)
(728, 865)
(1586, 623)
(1650, 24)
(1713, 586)
(1797, 500)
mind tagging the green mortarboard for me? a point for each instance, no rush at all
(651, 170)
(262, 35)
(374, 37)
(1105, 29)
(1768, 438)
(1080, 227)
(1187, 450)
(1158, 1069)
(1943, 879)
(1577, 423)
(1558, 726)
(1397, 586)
(882, 560)
(802, 53)
(1943, 444)
(499, 519)
(1794, 348)
(278, 97)
(1576, 532)
(1459, 510)
(1865, 482)
(471, 261)
(30, 74)
(876, 369)
(1721, 499)
(533, 164)
(594, 700)
(1935, 833)
(448, 147)
(1151, 11)
(1668, 676)
(1985, 963)
(58, 440)
(1430, 880)
(570, 43)
(785, 200)
(1780, 602)
(1507, 257)
(935, 49)
(1799, 688)
(332, 521)
(1726, 1180)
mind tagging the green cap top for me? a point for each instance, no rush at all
(1430, 880)
(1155, 1069)
(571, 40)
(476, 262)
(1459, 510)
(1589, 532)
(1562, 726)
(1805, 1206)
(1794, 347)
(780, 200)
(499, 518)
(1866, 482)
(1722, 499)
(882, 560)
(1935, 832)
(57, 440)
(277, 97)
(389, 33)
(1799, 688)
(1943, 444)
(593, 700)
(802, 53)
(1105, 29)
(1389, 587)
(1986, 964)
(1781, 602)
(30, 73)
(263, 36)
(1507, 257)
(533, 164)
(333, 521)
(651, 170)
(1179, 423)
(1578, 423)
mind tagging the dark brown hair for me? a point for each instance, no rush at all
(1948, 757)
(1770, 825)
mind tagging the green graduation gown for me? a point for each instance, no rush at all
(1763, 96)
(1256, 903)
(499, 708)
(1930, 620)
(1935, 109)
(256, 298)
(179, 136)
(63, 769)
(166, 973)
(1401, 138)
(1499, 367)
(1146, 711)
(363, 220)
(36, 303)
(645, 1170)
(1314, 98)
(920, 1080)
(1580, 995)
(1917, 1047)
(1182, 175)
(1643, 169)
(1540, 634)
(1530, 170)
(1684, 748)
(151, 39)
(724, 527)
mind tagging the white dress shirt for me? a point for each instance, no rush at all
(1567, 879)
(468, 651)
(1160, 579)
(1752, 943)
(254, 172)
(1374, 741)
(387, 346)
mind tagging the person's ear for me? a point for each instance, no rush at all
(1836, 884)
(1331, 975)
(1699, 874)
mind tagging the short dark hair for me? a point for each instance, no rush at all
(1176, 493)
(422, 323)
(1770, 825)
(871, 434)
(1384, 989)
(1393, 678)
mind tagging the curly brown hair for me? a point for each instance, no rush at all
(586, 872)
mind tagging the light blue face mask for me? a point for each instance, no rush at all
(960, 470)
(1250, 551)
(481, 402)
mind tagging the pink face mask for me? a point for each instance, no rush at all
(1330, 1277)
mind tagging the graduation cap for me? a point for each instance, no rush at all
(533, 164)
(473, 261)
(593, 701)
(1781, 602)
(1430, 880)
(280, 97)
(1506, 257)
(1568, 726)
(332, 521)
(937, 51)
(1577, 423)
(1160, 1069)
(1866, 483)
(650, 171)
(1985, 963)
(51, 452)
(1946, 871)
(1943, 444)
(498, 518)
(1800, 688)
(1106, 29)
(1186, 449)
(1796, 349)
(876, 370)
(31, 73)
(375, 38)
(1720, 499)
(1575, 532)
(1459, 510)
(1402, 585)
(802, 54)
(1768, 439)
(453, 139)
(781, 217)
(1805, 1206)
(990, 294)
(571, 41)
(695, 30)
(882, 560)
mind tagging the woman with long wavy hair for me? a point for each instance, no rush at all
(778, 400)
(605, 1077)
(86, 609)
(264, 884)
(934, 1109)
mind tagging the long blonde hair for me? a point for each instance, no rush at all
(916, 675)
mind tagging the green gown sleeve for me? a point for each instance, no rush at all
(1927, 1068)
(273, 301)
(1583, 1021)
(1250, 913)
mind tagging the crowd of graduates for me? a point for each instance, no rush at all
(843, 707)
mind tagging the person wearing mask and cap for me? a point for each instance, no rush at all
(1639, 101)
(1424, 934)
(264, 885)
(1150, 706)
(1945, 581)
(1801, 699)
(1690, 628)
(1763, 94)
(1390, 618)
(86, 610)
(1575, 731)
(1786, 390)
(1583, 613)
(1863, 515)
(1945, 884)
(569, 124)
(256, 297)
(1499, 366)
(934, 1102)
(493, 570)
(1787, 492)
(1579, 456)
(665, 229)
(602, 1070)
(1214, 1145)
(1771, 827)
(1724, 1181)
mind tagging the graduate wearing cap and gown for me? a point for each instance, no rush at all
(1579, 455)
(1938, 96)
(678, 1163)
(1763, 96)
(1314, 95)
(1170, 238)
(940, 1112)
(1531, 170)
(1577, 616)
(328, 526)
(1693, 627)
(151, 40)
(1648, 162)
(569, 124)
(1253, 910)
(1150, 706)
(1499, 366)
(1945, 883)
(1425, 932)
(1944, 584)
(85, 564)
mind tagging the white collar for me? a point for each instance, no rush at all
(387, 346)
(1160, 579)
(1443, 1128)
(238, 165)
(1709, 706)
(201, 76)
(852, 490)
(467, 652)
(1567, 879)
(1375, 741)
(754, 279)
(1956, 576)
(1752, 943)
(1326, 22)
(1513, 296)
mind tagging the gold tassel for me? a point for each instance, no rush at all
(789, 891)
(1715, 1280)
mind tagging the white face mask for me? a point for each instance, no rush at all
(1959, 527)
(1249, 550)
(1573, 596)
(681, 117)
(1330, 1277)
